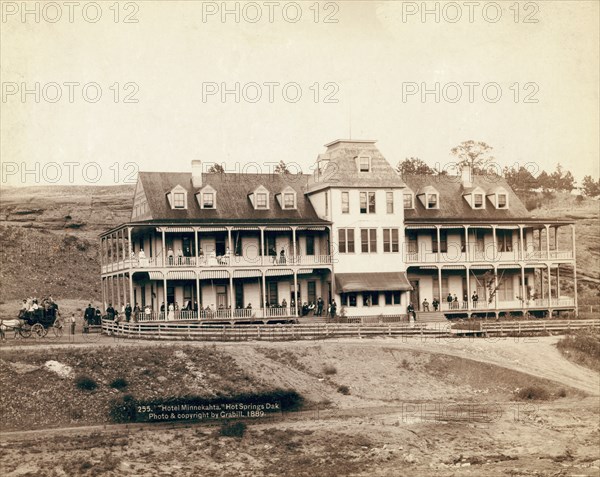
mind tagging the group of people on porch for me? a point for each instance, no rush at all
(452, 300)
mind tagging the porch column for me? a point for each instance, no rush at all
(196, 244)
(524, 294)
(124, 282)
(521, 243)
(467, 255)
(294, 246)
(496, 286)
(103, 288)
(130, 248)
(495, 243)
(165, 295)
(547, 241)
(556, 238)
(264, 293)
(468, 289)
(574, 269)
(111, 289)
(164, 264)
(231, 295)
(441, 298)
(262, 248)
(549, 285)
(542, 282)
(439, 244)
(198, 293)
(558, 281)
(229, 242)
(295, 293)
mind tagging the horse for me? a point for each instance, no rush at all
(14, 323)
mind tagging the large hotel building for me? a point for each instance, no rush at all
(257, 247)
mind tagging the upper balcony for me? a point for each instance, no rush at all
(489, 254)
(215, 261)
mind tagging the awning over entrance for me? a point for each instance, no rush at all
(385, 281)
(181, 275)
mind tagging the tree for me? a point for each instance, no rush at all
(474, 154)
(590, 187)
(559, 181)
(281, 168)
(520, 180)
(217, 168)
(414, 165)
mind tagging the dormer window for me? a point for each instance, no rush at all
(432, 201)
(289, 201)
(478, 201)
(177, 198)
(502, 201)
(407, 198)
(261, 200)
(207, 198)
(364, 163)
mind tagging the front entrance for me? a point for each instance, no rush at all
(414, 294)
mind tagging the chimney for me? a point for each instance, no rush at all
(196, 174)
(466, 176)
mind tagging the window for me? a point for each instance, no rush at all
(179, 200)
(477, 201)
(272, 295)
(208, 200)
(364, 163)
(370, 298)
(505, 289)
(368, 239)
(346, 240)
(408, 200)
(389, 202)
(504, 238)
(310, 244)
(392, 297)
(390, 240)
(345, 202)
(443, 240)
(261, 200)
(326, 203)
(312, 291)
(348, 299)
(288, 200)
(367, 202)
(432, 201)
(502, 202)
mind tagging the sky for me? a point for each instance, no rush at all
(418, 77)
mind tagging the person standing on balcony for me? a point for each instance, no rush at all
(455, 302)
(449, 300)
(436, 304)
(283, 303)
(179, 256)
(171, 315)
(170, 255)
(465, 300)
(475, 299)
(282, 259)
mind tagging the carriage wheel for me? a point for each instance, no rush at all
(25, 331)
(38, 330)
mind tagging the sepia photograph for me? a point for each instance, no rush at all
(300, 238)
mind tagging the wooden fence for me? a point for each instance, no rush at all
(207, 332)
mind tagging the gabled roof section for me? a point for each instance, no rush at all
(232, 192)
(140, 209)
(452, 204)
(340, 167)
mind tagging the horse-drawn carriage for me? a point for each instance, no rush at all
(36, 322)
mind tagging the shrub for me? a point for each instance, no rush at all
(119, 383)
(343, 389)
(329, 369)
(233, 429)
(85, 383)
(532, 393)
(582, 347)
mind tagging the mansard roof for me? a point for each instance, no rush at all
(452, 205)
(341, 169)
(232, 192)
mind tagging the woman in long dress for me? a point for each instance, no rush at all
(171, 315)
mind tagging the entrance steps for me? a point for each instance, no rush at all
(431, 317)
